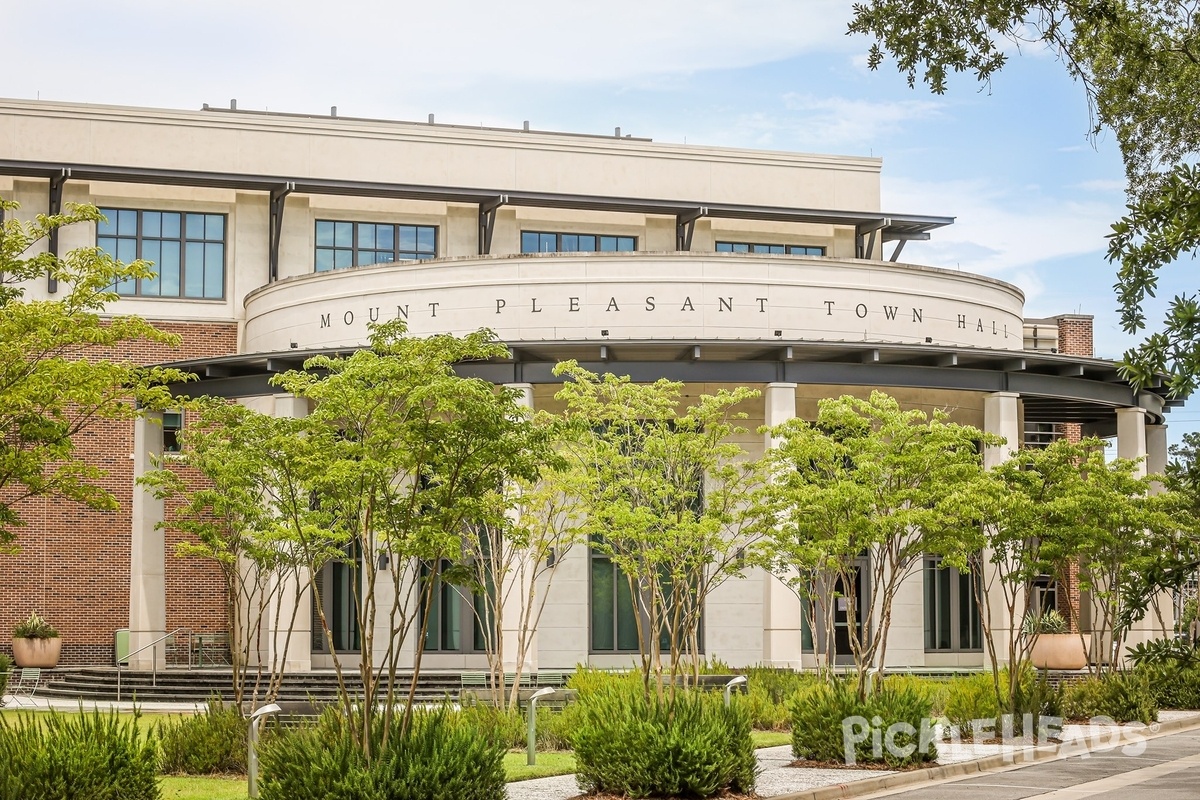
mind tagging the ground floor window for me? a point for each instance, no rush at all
(952, 619)
(613, 612)
(337, 586)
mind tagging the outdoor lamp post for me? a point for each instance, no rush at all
(252, 748)
(531, 760)
(737, 681)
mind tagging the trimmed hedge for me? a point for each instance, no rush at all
(71, 756)
(438, 758)
(689, 745)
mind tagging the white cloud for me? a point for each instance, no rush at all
(1012, 234)
(1101, 185)
(838, 120)
(371, 55)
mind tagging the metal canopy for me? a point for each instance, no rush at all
(1053, 387)
(891, 227)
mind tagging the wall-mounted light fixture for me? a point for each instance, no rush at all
(551, 557)
(384, 561)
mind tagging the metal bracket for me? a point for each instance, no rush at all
(685, 226)
(487, 222)
(275, 229)
(865, 247)
(55, 207)
(897, 251)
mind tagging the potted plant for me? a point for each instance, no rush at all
(1053, 646)
(36, 643)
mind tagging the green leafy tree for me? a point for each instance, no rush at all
(867, 487)
(1138, 62)
(403, 459)
(663, 492)
(513, 565)
(244, 505)
(58, 375)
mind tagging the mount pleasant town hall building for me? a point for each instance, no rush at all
(279, 236)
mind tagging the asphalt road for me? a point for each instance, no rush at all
(1168, 769)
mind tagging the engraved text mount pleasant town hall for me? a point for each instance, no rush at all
(807, 316)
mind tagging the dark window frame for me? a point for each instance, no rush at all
(172, 426)
(599, 237)
(355, 248)
(956, 587)
(139, 238)
(768, 249)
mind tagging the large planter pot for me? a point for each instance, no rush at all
(1058, 651)
(37, 652)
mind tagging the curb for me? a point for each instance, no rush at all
(992, 763)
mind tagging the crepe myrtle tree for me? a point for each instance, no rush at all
(513, 564)
(866, 486)
(663, 489)
(58, 369)
(243, 504)
(1138, 64)
(403, 458)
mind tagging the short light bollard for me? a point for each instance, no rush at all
(738, 681)
(252, 748)
(531, 760)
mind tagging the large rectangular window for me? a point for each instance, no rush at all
(444, 628)
(614, 627)
(539, 242)
(772, 249)
(187, 250)
(359, 244)
(951, 611)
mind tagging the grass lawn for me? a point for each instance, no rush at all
(548, 764)
(188, 788)
(770, 738)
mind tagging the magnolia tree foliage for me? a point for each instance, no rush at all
(57, 371)
(663, 492)
(1138, 62)
(866, 487)
(244, 505)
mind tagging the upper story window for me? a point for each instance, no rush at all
(359, 244)
(773, 249)
(539, 242)
(187, 249)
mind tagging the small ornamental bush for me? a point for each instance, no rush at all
(1121, 696)
(34, 627)
(971, 698)
(628, 743)
(440, 757)
(830, 724)
(5, 669)
(210, 743)
(73, 756)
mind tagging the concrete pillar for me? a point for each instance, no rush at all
(1131, 436)
(1001, 415)
(294, 653)
(782, 610)
(519, 583)
(147, 564)
(1156, 453)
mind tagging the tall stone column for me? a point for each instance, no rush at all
(1137, 440)
(519, 584)
(782, 610)
(1156, 453)
(1001, 416)
(147, 556)
(290, 653)
(1131, 436)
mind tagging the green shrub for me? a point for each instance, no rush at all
(1123, 696)
(510, 728)
(441, 757)
(70, 756)
(210, 743)
(935, 690)
(970, 698)
(34, 627)
(690, 745)
(819, 713)
(5, 670)
(1173, 686)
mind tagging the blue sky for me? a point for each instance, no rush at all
(1012, 161)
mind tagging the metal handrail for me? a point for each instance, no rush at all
(154, 669)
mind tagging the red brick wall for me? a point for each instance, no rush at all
(1074, 339)
(73, 564)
